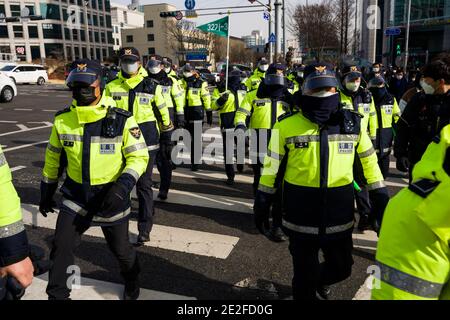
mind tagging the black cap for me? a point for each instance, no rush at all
(153, 63)
(167, 62)
(129, 53)
(275, 75)
(320, 75)
(84, 72)
(263, 60)
(188, 68)
(351, 72)
(274, 68)
(376, 82)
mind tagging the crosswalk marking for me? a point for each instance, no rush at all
(164, 237)
(92, 289)
(186, 173)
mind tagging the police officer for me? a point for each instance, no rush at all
(387, 115)
(253, 82)
(174, 99)
(197, 102)
(297, 77)
(425, 115)
(413, 252)
(358, 99)
(226, 102)
(135, 92)
(318, 144)
(168, 68)
(263, 107)
(106, 154)
(14, 250)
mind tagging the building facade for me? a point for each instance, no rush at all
(255, 39)
(125, 17)
(70, 29)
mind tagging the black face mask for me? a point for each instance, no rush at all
(378, 93)
(319, 110)
(84, 96)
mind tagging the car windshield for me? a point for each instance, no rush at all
(7, 68)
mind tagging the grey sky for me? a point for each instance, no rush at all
(241, 24)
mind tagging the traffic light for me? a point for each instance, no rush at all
(169, 14)
(398, 50)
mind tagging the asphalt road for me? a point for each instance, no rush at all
(223, 256)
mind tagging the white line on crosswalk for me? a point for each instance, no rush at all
(164, 237)
(17, 168)
(91, 289)
(186, 173)
(25, 146)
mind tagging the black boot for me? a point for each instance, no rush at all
(162, 195)
(142, 238)
(131, 277)
(240, 168)
(324, 292)
(230, 181)
(364, 222)
(276, 234)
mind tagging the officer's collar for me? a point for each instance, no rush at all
(134, 80)
(90, 114)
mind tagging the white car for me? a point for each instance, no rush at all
(8, 89)
(26, 73)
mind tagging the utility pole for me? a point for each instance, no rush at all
(284, 29)
(270, 32)
(407, 36)
(278, 31)
(355, 36)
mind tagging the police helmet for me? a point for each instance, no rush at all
(84, 73)
(319, 75)
(275, 75)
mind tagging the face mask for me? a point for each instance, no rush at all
(84, 96)
(300, 74)
(378, 93)
(321, 94)
(154, 70)
(167, 70)
(376, 69)
(413, 79)
(187, 74)
(428, 89)
(399, 77)
(264, 67)
(352, 86)
(130, 68)
(319, 109)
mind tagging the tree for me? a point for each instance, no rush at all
(345, 11)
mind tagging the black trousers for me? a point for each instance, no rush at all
(68, 236)
(362, 197)
(196, 141)
(309, 273)
(145, 197)
(164, 165)
(383, 163)
(229, 166)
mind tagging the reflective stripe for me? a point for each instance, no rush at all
(135, 175)
(180, 113)
(315, 230)
(154, 147)
(135, 147)
(244, 111)
(142, 94)
(343, 137)
(240, 124)
(266, 189)
(409, 283)
(97, 139)
(207, 95)
(54, 149)
(83, 212)
(74, 207)
(274, 155)
(376, 185)
(11, 229)
(2, 160)
(114, 218)
(265, 101)
(367, 153)
(373, 114)
(298, 139)
(161, 106)
(70, 137)
(179, 94)
(119, 94)
(49, 180)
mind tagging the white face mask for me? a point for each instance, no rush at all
(399, 77)
(264, 67)
(353, 86)
(187, 74)
(428, 89)
(167, 70)
(129, 68)
(376, 69)
(300, 74)
(321, 94)
(155, 70)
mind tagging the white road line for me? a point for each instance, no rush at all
(164, 237)
(46, 110)
(17, 168)
(22, 109)
(186, 173)
(22, 127)
(6, 121)
(25, 146)
(364, 292)
(92, 289)
(25, 130)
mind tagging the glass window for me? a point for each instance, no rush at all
(102, 21)
(84, 52)
(18, 31)
(103, 37)
(15, 10)
(110, 37)
(82, 35)
(77, 52)
(95, 20)
(89, 19)
(96, 37)
(108, 21)
(107, 6)
(100, 4)
(117, 42)
(69, 53)
(31, 10)
(104, 53)
(149, 23)
(2, 9)
(151, 51)
(75, 34)
(97, 52)
(7, 68)
(94, 4)
(4, 32)
(54, 50)
(52, 31)
(67, 33)
(129, 38)
(65, 15)
(50, 11)
(82, 17)
(150, 37)
(33, 32)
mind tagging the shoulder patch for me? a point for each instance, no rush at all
(424, 187)
(286, 115)
(65, 110)
(122, 112)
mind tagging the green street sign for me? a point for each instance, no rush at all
(219, 27)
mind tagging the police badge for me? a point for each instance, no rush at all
(136, 133)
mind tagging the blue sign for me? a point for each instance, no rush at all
(196, 56)
(392, 32)
(272, 38)
(189, 4)
(266, 16)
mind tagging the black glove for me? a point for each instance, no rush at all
(209, 117)
(261, 209)
(403, 164)
(46, 204)
(114, 200)
(180, 122)
(240, 127)
(165, 137)
(379, 199)
(366, 96)
(223, 99)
